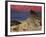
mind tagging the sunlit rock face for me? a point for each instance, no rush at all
(19, 15)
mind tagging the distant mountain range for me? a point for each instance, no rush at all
(22, 15)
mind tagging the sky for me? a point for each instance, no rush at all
(26, 8)
(21, 12)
